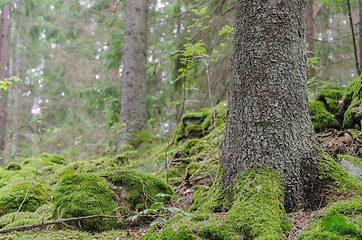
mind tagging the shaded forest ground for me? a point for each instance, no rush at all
(131, 184)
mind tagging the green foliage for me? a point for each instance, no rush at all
(85, 194)
(7, 81)
(135, 196)
(12, 195)
(13, 166)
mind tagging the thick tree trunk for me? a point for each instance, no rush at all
(133, 106)
(3, 61)
(268, 120)
(309, 20)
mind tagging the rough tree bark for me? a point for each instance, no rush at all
(133, 102)
(309, 20)
(268, 120)
(3, 61)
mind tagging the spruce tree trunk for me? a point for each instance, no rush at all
(268, 120)
(3, 61)
(309, 20)
(133, 102)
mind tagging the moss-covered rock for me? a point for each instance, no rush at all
(141, 137)
(12, 195)
(139, 188)
(54, 158)
(321, 118)
(351, 104)
(13, 166)
(341, 220)
(335, 176)
(170, 234)
(84, 194)
(331, 98)
(353, 165)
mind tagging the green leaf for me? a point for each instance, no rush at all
(3, 2)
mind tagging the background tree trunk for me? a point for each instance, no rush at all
(268, 119)
(133, 103)
(309, 20)
(3, 61)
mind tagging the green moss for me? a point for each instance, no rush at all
(354, 160)
(258, 211)
(192, 147)
(170, 234)
(330, 97)
(213, 232)
(338, 179)
(13, 166)
(321, 118)
(84, 194)
(134, 188)
(351, 92)
(124, 157)
(54, 158)
(338, 221)
(142, 136)
(12, 195)
(351, 114)
(200, 218)
(199, 197)
(194, 130)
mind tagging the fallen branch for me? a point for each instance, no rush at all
(41, 224)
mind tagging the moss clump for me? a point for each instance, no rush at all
(12, 195)
(124, 157)
(321, 118)
(199, 197)
(351, 92)
(330, 97)
(142, 136)
(170, 234)
(135, 195)
(351, 104)
(84, 194)
(338, 179)
(13, 166)
(54, 158)
(192, 146)
(338, 221)
(200, 218)
(214, 232)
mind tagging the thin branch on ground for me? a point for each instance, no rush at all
(58, 221)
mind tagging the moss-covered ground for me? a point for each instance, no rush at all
(129, 181)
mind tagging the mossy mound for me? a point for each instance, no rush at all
(142, 136)
(43, 213)
(341, 220)
(352, 105)
(54, 158)
(84, 194)
(331, 97)
(13, 166)
(138, 188)
(88, 166)
(12, 195)
(335, 176)
(321, 118)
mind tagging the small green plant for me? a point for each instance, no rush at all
(8, 81)
(159, 213)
